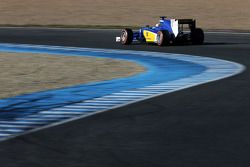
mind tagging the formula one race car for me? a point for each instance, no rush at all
(166, 32)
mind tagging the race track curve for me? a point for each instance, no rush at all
(206, 125)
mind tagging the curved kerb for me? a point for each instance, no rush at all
(212, 70)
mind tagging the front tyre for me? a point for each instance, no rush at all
(126, 36)
(197, 36)
(163, 38)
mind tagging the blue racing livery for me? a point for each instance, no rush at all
(165, 32)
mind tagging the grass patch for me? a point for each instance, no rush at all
(39, 72)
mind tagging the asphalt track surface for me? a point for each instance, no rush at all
(207, 125)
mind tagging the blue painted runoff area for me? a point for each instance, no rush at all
(158, 70)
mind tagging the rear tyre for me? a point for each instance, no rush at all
(163, 38)
(197, 36)
(126, 36)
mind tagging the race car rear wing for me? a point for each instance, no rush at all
(190, 22)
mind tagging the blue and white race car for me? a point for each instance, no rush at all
(166, 32)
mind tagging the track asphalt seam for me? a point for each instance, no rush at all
(232, 32)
